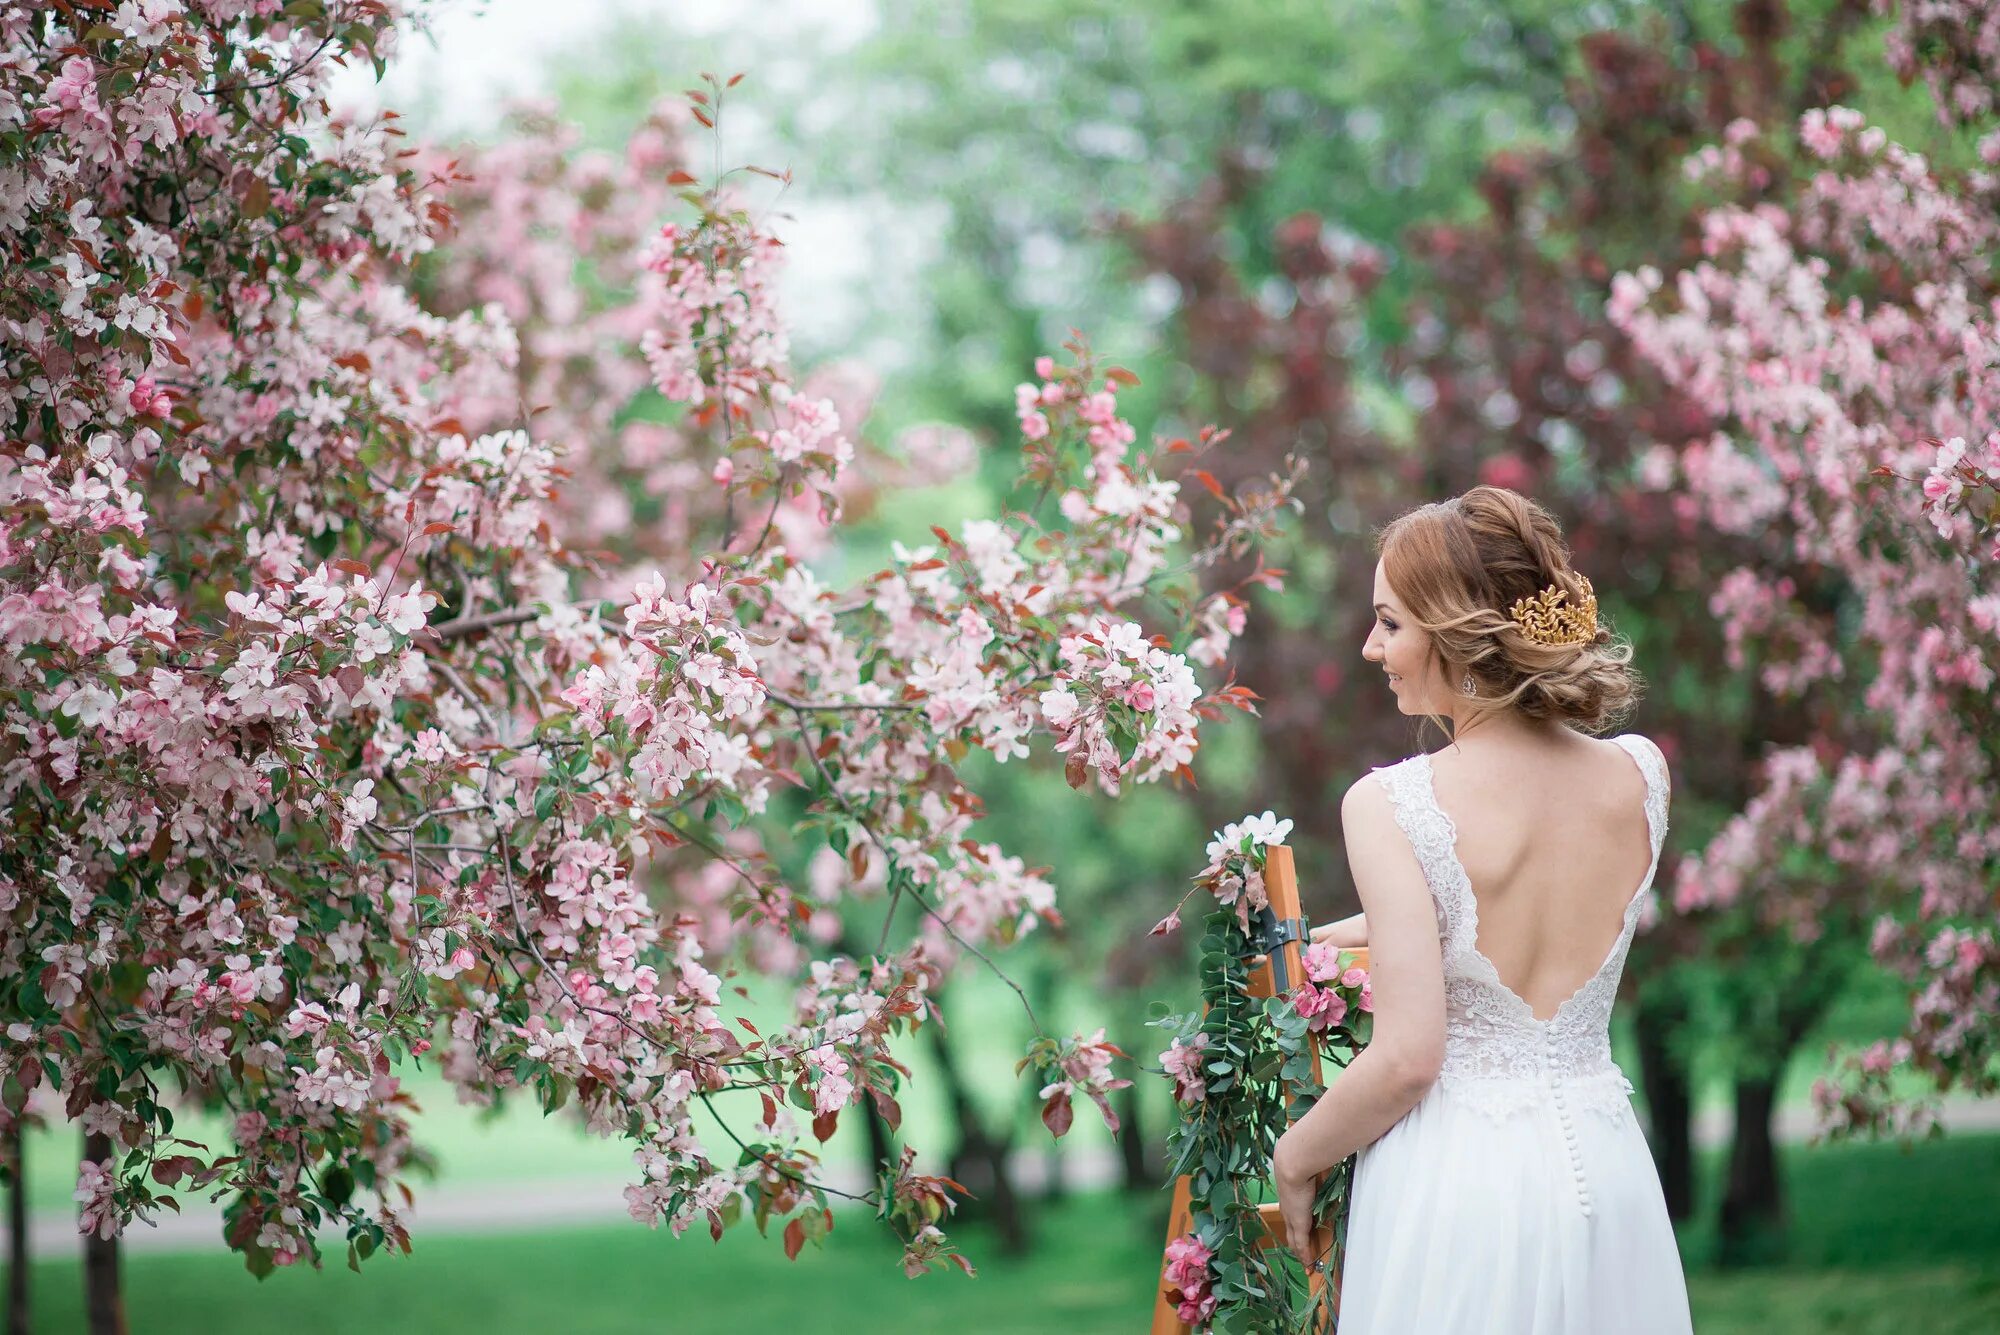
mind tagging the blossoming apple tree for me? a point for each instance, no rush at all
(1845, 334)
(315, 758)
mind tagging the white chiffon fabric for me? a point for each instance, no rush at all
(1519, 1197)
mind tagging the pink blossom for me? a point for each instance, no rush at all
(1186, 1272)
(1324, 1007)
(1183, 1062)
(98, 1211)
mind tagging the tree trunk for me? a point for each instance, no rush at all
(1055, 1158)
(1139, 1174)
(979, 1164)
(881, 1149)
(1669, 1098)
(1044, 982)
(103, 1303)
(1753, 1205)
(18, 1322)
(1753, 1218)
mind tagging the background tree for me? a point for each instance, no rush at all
(1414, 353)
(320, 755)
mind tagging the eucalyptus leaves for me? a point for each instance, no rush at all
(1243, 1070)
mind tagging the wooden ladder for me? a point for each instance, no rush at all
(1281, 886)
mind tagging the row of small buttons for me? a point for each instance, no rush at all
(1568, 1128)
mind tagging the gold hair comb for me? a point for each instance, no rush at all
(1546, 620)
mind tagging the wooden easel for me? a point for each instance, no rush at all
(1269, 977)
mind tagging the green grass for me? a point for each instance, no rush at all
(1089, 1272)
(1882, 1240)
(1935, 1300)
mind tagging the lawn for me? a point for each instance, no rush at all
(1883, 1241)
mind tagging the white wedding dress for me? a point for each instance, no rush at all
(1519, 1197)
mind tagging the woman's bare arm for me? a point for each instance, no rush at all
(1405, 967)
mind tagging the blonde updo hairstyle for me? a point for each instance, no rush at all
(1459, 566)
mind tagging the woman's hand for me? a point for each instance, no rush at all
(1295, 1198)
(1348, 933)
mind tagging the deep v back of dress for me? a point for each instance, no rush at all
(1519, 1194)
(1553, 858)
(1492, 1034)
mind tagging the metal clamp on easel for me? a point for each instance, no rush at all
(1270, 934)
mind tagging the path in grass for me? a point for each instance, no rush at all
(542, 1203)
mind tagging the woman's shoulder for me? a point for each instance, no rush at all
(1642, 748)
(1391, 772)
(1652, 762)
(1383, 790)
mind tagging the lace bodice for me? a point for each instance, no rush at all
(1499, 1055)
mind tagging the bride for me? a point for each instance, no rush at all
(1503, 1184)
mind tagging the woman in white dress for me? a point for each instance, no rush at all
(1504, 1186)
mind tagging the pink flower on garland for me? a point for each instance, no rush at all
(1323, 1006)
(1183, 1062)
(1186, 1279)
(1324, 998)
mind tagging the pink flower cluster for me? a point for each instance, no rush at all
(1953, 492)
(1182, 1062)
(1327, 992)
(1036, 403)
(1081, 1066)
(1115, 693)
(714, 342)
(1188, 1281)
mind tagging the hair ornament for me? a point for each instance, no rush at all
(1546, 619)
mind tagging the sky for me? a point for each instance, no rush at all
(481, 52)
(487, 49)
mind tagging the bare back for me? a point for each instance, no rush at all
(1555, 846)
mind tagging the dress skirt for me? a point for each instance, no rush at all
(1548, 1221)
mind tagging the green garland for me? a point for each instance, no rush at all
(1242, 1074)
